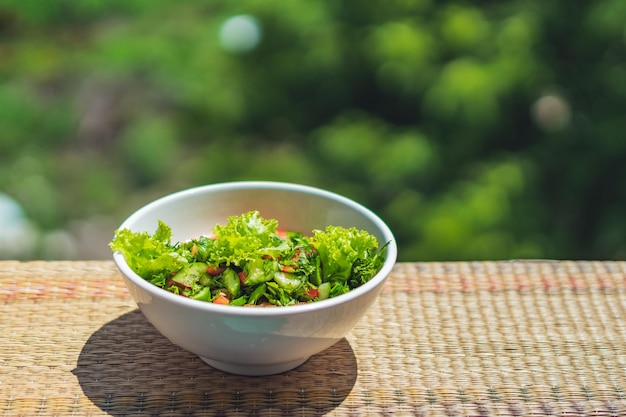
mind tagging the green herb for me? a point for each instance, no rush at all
(250, 261)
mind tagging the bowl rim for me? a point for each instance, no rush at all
(163, 294)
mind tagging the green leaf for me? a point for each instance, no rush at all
(244, 238)
(148, 255)
(339, 248)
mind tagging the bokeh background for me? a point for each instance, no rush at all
(477, 130)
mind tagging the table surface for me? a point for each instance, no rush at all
(512, 338)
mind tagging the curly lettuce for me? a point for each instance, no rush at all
(347, 255)
(245, 238)
(249, 261)
(150, 256)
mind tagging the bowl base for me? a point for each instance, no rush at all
(254, 370)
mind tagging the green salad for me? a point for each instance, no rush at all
(250, 261)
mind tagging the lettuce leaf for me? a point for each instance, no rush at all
(340, 249)
(245, 238)
(250, 261)
(150, 256)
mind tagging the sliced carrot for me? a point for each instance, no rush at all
(211, 270)
(221, 299)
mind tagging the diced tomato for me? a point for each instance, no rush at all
(313, 292)
(211, 270)
(171, 283)
(221, 299)
(242, 277)
(288, 268)
(282, 233)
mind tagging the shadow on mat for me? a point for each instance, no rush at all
(127, 367)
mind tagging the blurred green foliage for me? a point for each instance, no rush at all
(477, 130)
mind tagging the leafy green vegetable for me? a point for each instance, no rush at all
(150, 256)
(341, 248)
(245, 238)
(249, 261)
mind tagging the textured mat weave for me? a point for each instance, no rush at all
(444, 339)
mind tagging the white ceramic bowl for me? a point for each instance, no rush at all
(244, 340)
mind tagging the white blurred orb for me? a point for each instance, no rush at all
(17, 236)
(240, 33)
(551, 113)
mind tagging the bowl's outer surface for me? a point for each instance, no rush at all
(243, 338)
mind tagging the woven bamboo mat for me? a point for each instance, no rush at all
(444, 339)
